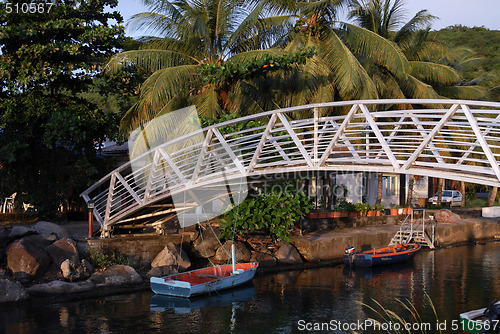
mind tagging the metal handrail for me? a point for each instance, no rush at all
(439, 141)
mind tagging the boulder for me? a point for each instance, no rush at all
(12, 291)
(47, 229)
(60, 288)
(172, 255)
(4, 237)
(264, 259)
(162, 271)
(18, 232)
(241, 252)
(207, 243)
(287, 254)
(63, 249)
(72, 272)
(446, 216)
(26, 259)
(117, 275)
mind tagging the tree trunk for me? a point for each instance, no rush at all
(462, 191)
(492, 197)
(379, 189)
(440, 191)
(411, 183)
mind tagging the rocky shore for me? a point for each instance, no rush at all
(47, 259)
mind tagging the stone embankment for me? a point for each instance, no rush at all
(45, 259)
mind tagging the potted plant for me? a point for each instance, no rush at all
(393, 210)
(379, 208)
(362, 208)
(371, 211)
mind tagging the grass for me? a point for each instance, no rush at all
(400, 324)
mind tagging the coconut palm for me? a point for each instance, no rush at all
(431, 75)
(195, 33)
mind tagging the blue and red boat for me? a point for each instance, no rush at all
(380, 256)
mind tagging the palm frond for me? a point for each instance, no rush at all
(416, 89)
(207, 102)
(152, 60)
(380, 50)
(421, 20)
(463, 92)
(349, 76)
(434, 73)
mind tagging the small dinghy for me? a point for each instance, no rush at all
(380, 256)
(482, 321)
(204, 281)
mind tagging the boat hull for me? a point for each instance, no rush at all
(472, 322)
(382, 256)
(203, 281)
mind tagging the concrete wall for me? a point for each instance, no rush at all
(330, 245)
(140, 249)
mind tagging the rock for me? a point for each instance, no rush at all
(288, 254)
(446, 216)
(172, 255)
(265, 260)
(12, 291)
(73, 272)
(26, 259)
(162, 271)
(63, 249)
(117, 275)
(207, 243)
(47, 229)
(68, 268)
(60, 288)
(4, 237)
(242, 253)
(3, 273)
(18, 232)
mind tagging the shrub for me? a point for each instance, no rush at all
(101, 259)
(273, 211)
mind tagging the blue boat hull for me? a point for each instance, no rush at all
(372, 258)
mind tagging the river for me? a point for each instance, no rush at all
(334, 299)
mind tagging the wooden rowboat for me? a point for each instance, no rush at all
(380, 256)
(479, 321)
(203, 281)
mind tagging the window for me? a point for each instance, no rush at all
(389, 185)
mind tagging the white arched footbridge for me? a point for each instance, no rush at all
(450, 139)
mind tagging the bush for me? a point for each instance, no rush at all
(273, 211)
(101, 259)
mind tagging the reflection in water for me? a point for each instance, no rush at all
(456, 279)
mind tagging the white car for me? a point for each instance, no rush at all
(454, 197)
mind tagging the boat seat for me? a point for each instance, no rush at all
(210, 276)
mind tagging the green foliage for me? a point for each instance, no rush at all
(379, 207)
(101, 259)
(62, 48)
(48, 132)
(239, 70)
(275, 211)
(484, 66)
(344, 206)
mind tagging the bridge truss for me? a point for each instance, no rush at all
(450, 139)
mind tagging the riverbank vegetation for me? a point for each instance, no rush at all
(71, 79)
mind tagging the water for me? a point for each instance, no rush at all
(456, 279)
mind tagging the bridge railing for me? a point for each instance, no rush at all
(441, 138)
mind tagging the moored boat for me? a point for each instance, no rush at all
(205, 280)
(484, 320)
(380, 256)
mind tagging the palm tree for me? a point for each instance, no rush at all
(212, 32)
(431, 74)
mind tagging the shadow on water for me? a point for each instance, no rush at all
(160, 303)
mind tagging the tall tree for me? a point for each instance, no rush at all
(48, 134)
(212, 35)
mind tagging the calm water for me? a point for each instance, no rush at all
(456, 279)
